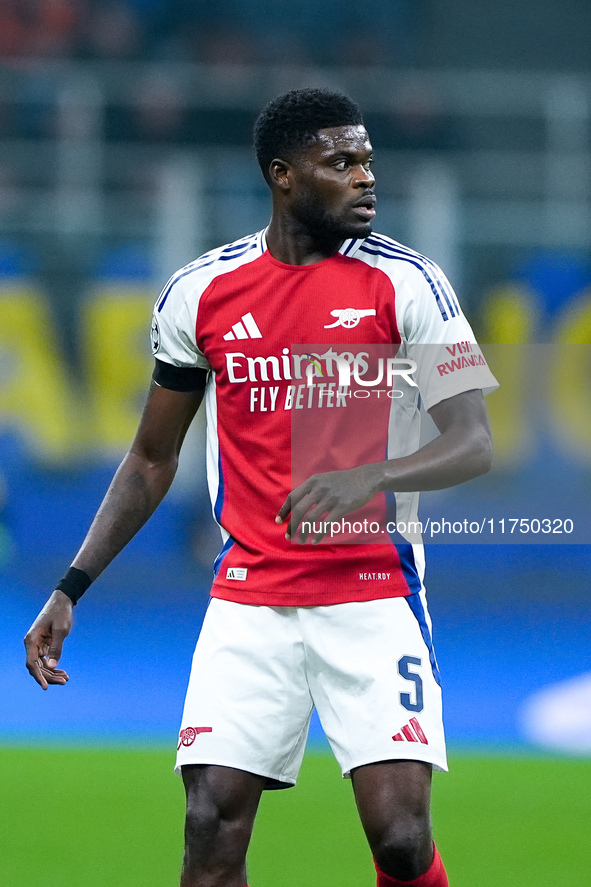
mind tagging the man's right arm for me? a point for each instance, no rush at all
(139, 485)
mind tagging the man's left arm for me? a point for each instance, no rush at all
(462, 450)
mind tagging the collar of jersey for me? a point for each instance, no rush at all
(342, 249)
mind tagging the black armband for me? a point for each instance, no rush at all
(179, 378)
(74, 584)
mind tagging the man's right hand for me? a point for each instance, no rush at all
(45, 638)
(141, 481)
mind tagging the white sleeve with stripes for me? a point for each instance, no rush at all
(174, 325)
(437, 336)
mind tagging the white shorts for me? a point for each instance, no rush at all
(368, 667)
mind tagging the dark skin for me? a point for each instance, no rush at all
(462, 451)
(320, 197)
(137, 489)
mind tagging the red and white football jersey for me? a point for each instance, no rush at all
(248, 318)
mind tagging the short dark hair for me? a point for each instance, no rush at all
(291, 122)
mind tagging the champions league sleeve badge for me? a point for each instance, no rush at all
(155, 336)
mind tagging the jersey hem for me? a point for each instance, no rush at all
(306, 599)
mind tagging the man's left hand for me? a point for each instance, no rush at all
(324, 498)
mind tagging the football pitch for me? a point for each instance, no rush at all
(113, 818)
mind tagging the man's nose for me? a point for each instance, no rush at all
(364, 178)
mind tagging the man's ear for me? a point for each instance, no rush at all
(280, 173)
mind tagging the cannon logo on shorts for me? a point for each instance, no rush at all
(188, 735)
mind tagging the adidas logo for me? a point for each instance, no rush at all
(239, 573)
(412, 732)
(246, 328)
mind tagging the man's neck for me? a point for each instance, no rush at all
(294, 246)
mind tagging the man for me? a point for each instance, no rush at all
(342, 627)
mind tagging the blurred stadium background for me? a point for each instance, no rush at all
(125, 152)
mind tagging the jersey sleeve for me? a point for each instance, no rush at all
(174, 324)
(437, 336)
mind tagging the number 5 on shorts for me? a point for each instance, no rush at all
(404, 672)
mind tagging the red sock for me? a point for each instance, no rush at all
(435, 876)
